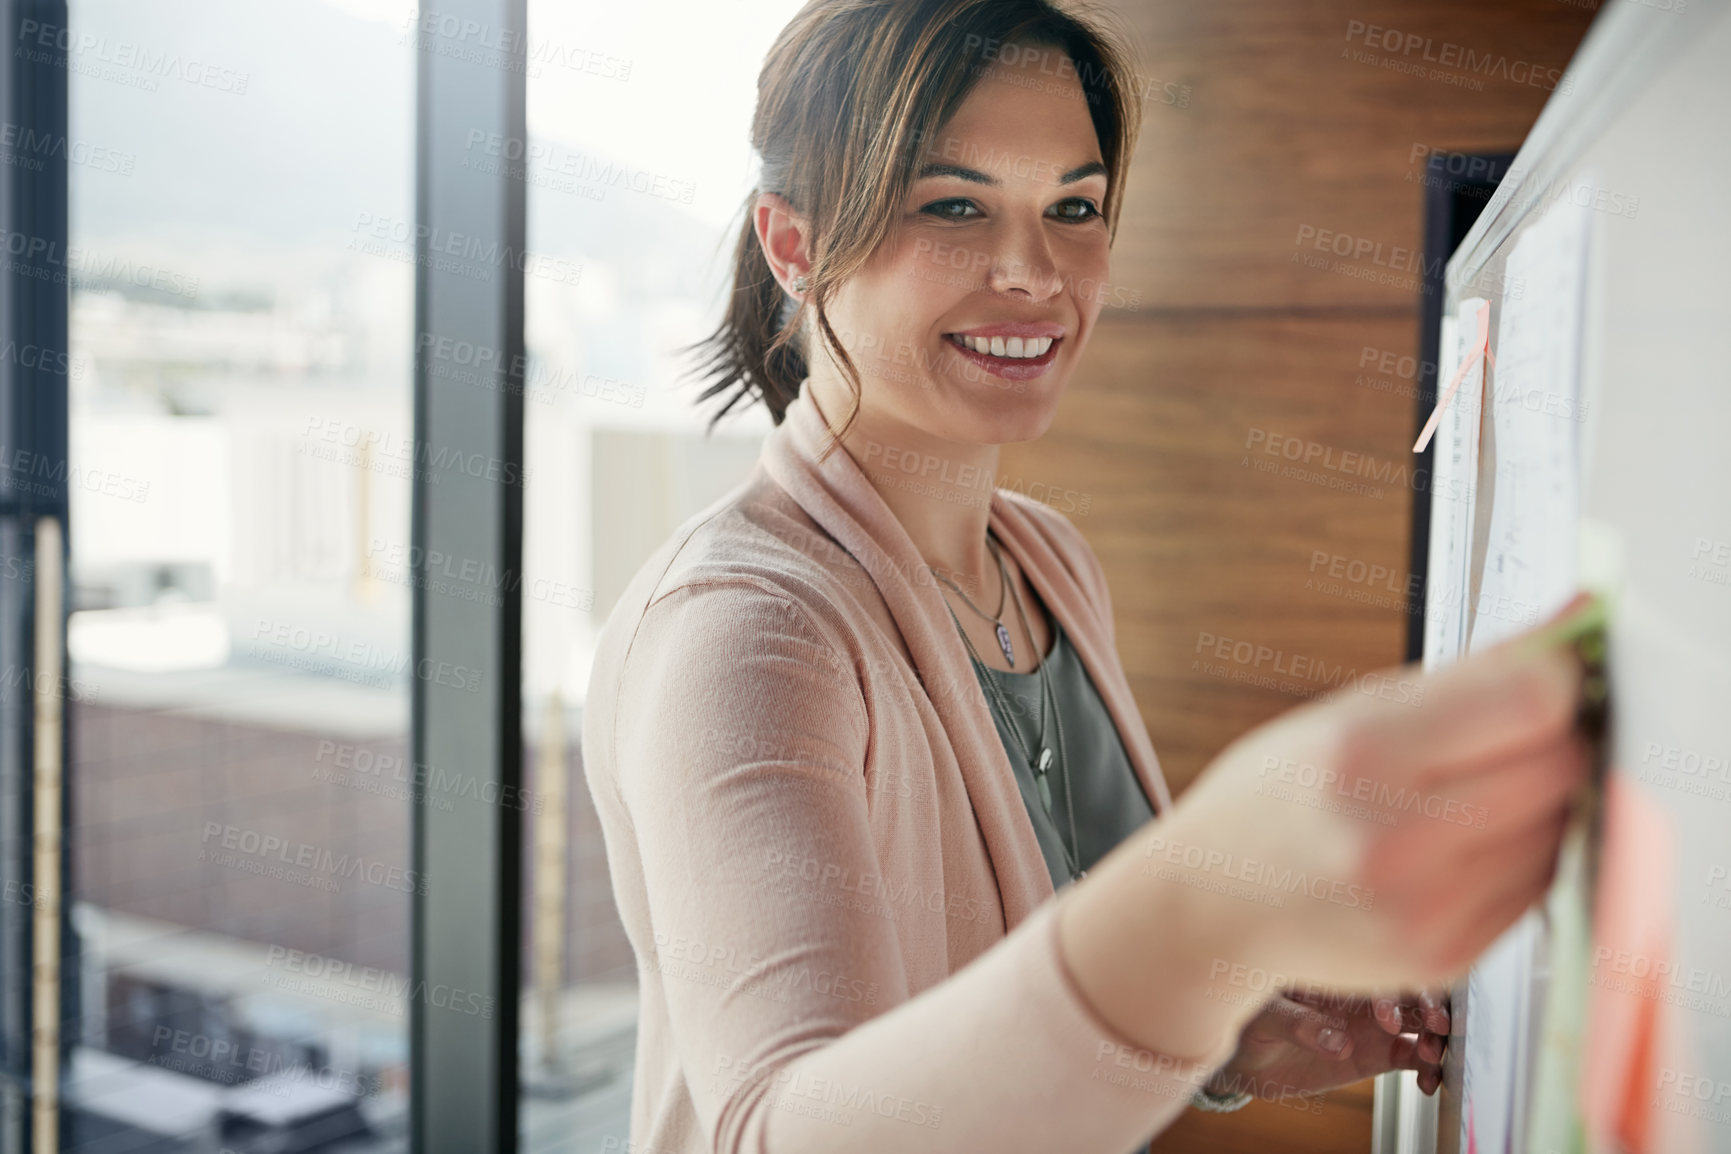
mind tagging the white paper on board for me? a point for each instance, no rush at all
(1530, 565)
(1498, 1009)
(1454, 476)
(1531, 568)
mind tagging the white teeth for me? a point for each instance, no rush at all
(1021, 348)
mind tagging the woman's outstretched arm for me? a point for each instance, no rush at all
(740, 737)
(738, 756)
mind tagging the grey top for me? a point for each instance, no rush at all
(1110, 801)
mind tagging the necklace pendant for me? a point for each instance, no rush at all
(1045, 762)
(1045, 792)
(1004, 644)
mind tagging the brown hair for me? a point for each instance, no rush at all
(847, 94)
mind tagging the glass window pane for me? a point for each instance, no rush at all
(241, 311)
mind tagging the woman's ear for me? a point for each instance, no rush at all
(784, 235)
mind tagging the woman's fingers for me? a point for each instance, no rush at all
(1495, 901)
(1486, 782)
(1435, 1012)
(1445, 898)
(1430, 1078)
(1506, 794)
(1377, 1049)
(1341, 1027)
(1489, 707)
(1316, 1030)
(1407, 1014)
(1530, 795)
(1409, 1046)
(1423, 1014)
(1387, 1012)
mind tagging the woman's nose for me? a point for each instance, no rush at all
(1023, 262)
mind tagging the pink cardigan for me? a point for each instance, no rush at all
(837, 902)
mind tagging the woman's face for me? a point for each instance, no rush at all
(968, 320)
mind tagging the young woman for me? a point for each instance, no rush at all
(887, 834)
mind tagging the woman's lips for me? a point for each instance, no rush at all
(1009, 368)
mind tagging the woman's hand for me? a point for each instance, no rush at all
(1391, 831)
(1377, 839)
(1308, 1041)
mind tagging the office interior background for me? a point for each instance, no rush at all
(237, 206)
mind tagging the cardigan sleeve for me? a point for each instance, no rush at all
(740, 739)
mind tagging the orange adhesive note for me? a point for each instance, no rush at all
(1633, 953)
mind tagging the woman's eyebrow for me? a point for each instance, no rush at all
(1092, 168)
(975, 176)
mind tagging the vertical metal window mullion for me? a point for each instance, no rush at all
(33, 534)
(466, 556)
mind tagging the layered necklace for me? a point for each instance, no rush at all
(1042, 763)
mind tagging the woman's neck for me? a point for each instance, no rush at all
(939, 490)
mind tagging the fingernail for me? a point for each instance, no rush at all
(1331, 1040)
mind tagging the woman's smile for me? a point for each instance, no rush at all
(1016, 351)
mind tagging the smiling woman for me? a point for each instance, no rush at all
(904, 874)
(880, 173)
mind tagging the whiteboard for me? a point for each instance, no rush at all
(1640, 143)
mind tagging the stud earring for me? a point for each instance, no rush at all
(800, 283)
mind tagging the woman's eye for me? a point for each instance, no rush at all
(954, 209)
(1075, 208)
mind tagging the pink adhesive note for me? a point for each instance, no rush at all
(1481, 348)
(1633, 936)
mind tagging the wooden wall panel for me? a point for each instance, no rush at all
(1262, 121)
(1283, 127)
(1329, 1123)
